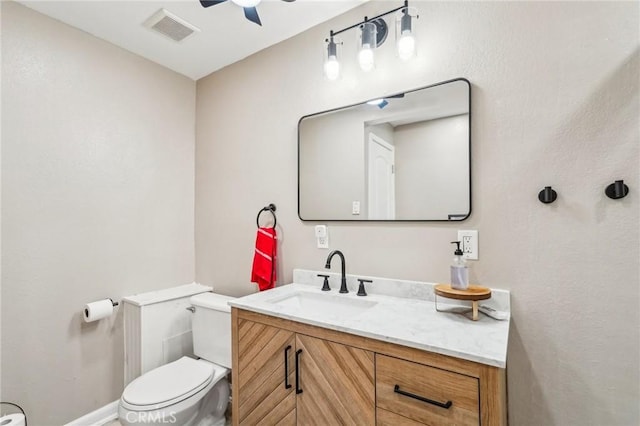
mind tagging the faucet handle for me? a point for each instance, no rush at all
(325, 284)
(361, 290)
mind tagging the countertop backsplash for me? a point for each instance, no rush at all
(416, 290)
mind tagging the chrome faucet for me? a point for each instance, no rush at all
(343, 282)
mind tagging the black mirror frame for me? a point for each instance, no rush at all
(450, 219)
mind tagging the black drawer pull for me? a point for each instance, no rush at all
(298, 352)
(287, 385)
(446, 405)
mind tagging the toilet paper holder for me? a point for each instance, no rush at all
(98, 310)
(12, 417)
(112, 302)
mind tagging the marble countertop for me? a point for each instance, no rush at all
(408, 321)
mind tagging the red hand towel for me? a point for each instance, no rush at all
(264, 259)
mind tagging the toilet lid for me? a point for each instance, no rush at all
(169, 383)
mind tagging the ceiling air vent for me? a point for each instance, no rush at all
(169, 25)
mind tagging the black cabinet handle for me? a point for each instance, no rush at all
(446, 405)
(298, 352)
(287, 385)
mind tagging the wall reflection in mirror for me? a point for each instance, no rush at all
(404, 157)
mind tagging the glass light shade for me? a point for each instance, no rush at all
(332, 68)
(247, 3)
(405, 33)
(366, 56)
(406, 46)
(331, 63)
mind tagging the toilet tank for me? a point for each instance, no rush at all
(211, 324)
(157, 328)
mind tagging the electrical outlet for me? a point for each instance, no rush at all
(322, 236)
(469, 244)
(323, 242)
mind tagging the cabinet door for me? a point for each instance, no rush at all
(264, 398)
(337, 383)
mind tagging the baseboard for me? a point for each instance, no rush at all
(98, 417)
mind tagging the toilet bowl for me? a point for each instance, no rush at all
(175, 394)
(188, 391)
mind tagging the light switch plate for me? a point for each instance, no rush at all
(469, 244)
(355, 208)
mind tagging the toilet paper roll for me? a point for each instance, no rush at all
(12, 420)
(97, 310)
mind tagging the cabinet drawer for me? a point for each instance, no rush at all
(387, 418)
(415, 390)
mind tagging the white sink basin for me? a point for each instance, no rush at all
(327, 305)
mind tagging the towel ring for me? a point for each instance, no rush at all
(270, 208)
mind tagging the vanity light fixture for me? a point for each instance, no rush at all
(331, 63)
(368, 42)
(405, 34)
(373, 33)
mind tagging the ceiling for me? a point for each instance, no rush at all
(225, 36)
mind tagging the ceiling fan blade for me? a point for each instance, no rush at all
(207, 3)
(252, 14)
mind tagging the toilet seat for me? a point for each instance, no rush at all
(169, 384)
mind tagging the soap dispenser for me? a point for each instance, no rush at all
(459, 270)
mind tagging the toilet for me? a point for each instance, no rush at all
(188, 391)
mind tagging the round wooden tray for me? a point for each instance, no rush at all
(473, 293)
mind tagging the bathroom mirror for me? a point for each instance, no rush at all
(401, 157)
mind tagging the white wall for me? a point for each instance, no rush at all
(97, 201)
(554, 102)
(432, 168)
(334, 165)
(384, 130)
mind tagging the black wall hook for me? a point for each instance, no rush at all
(547, 195)
(617, 190)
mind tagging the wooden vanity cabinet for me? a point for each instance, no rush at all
(260, 395)
(336, 383)
(333, 386)
(345, 379)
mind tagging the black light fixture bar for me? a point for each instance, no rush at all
(405, 5)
